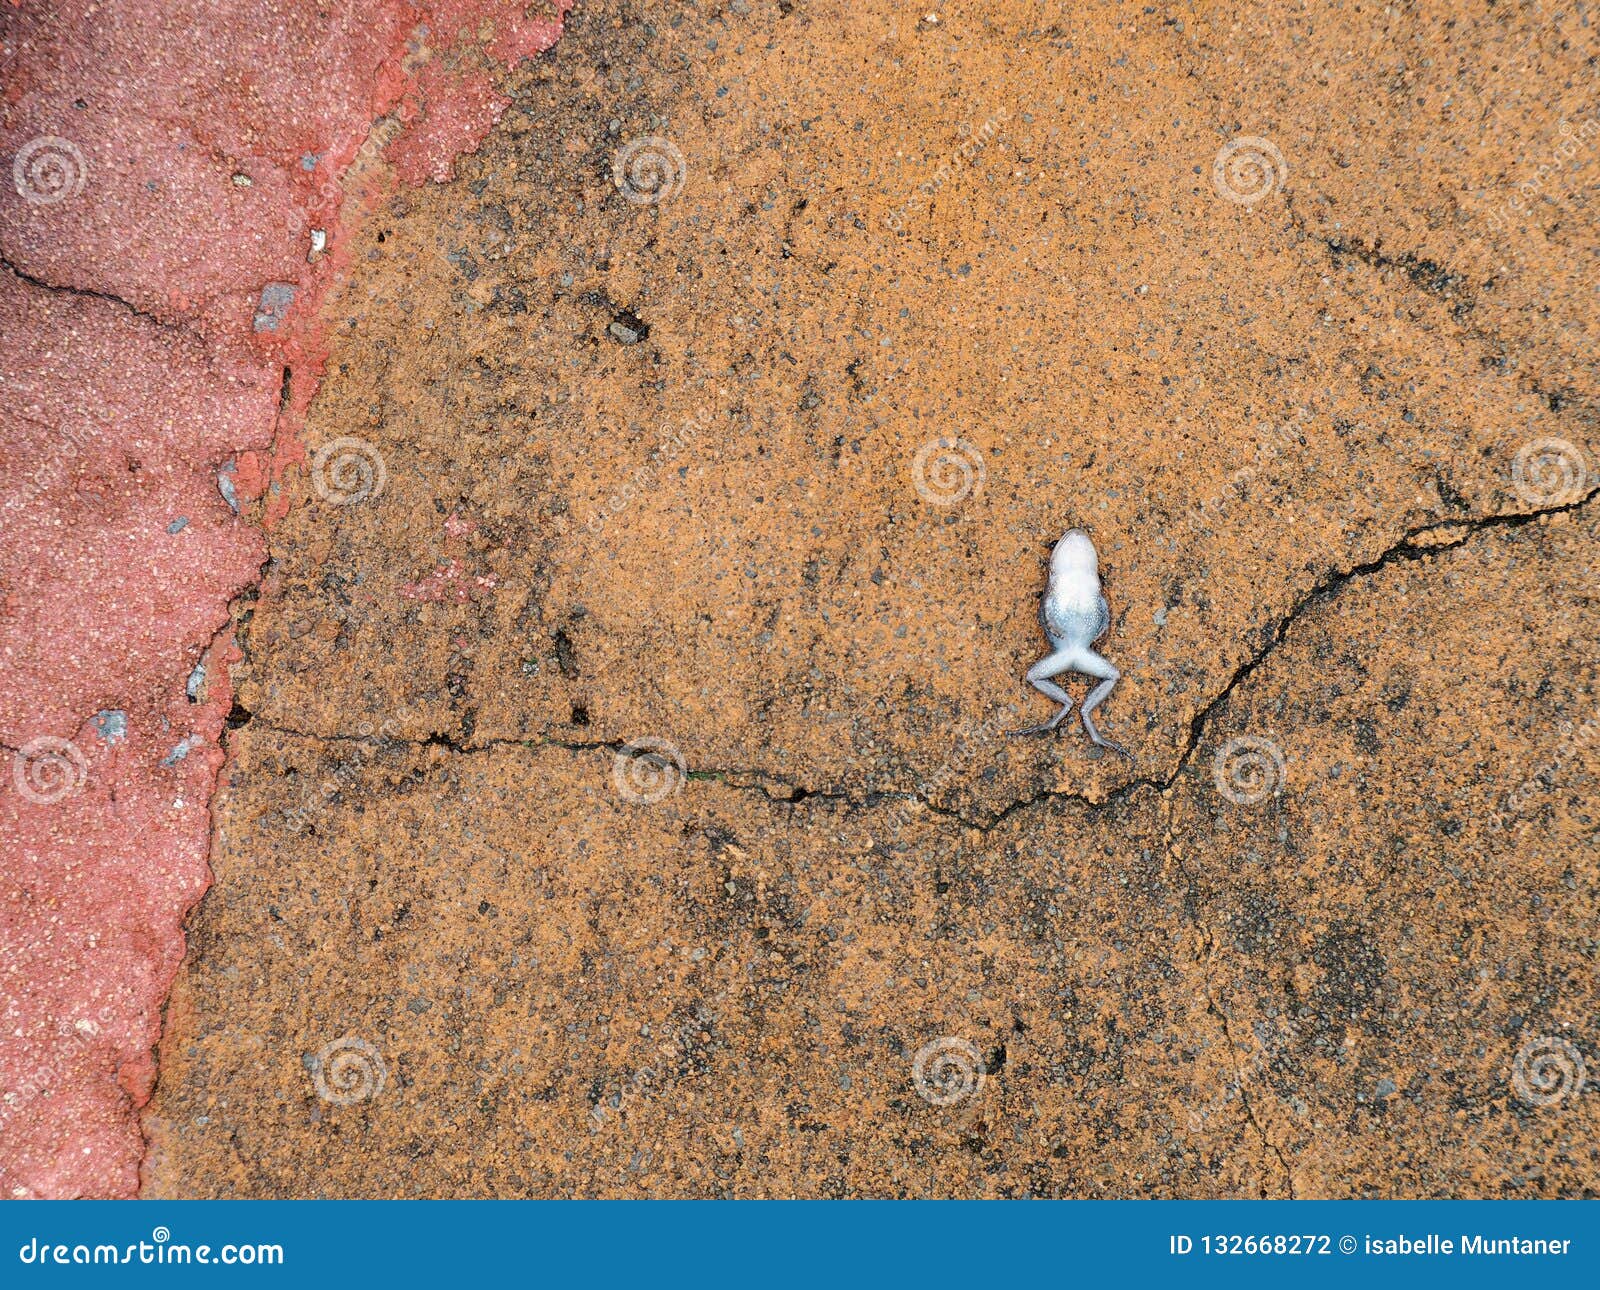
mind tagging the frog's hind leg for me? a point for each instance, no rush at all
(1091, 664)
(1062, 660)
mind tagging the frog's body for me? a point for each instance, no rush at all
(1074, 616)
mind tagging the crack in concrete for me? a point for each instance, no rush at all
(744, 779)
(1239, 1083)
(1202, 962)
(89, 293)
(1410, 547)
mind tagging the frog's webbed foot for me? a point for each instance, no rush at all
(1044, 727)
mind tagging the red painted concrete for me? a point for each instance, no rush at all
(164, 166)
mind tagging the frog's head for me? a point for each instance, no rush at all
(1074, 554)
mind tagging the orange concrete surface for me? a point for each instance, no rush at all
(617, 795)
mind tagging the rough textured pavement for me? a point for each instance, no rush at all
(618, 801)
(179, 182)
